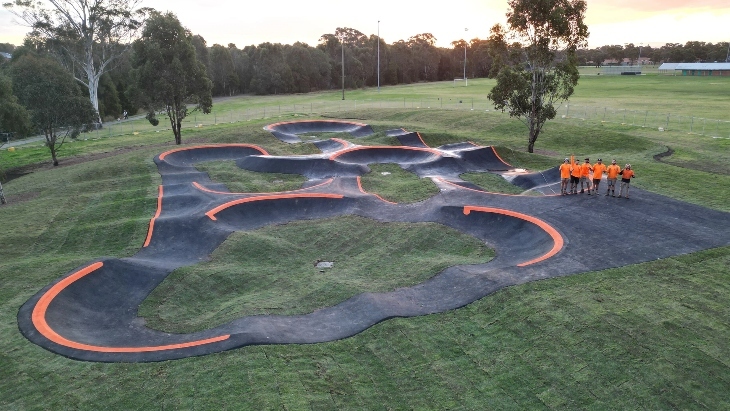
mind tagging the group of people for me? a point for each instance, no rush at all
(589, 177)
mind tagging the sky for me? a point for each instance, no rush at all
(647, 22)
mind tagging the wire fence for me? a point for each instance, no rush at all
(275, 112)
(585, 114)
(646, 118)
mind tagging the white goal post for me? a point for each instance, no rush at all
(465, 80)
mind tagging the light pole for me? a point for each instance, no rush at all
(342, 40)
(640, 45)
(378, 56)
(465, 43)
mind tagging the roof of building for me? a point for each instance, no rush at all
(695, 66)
(6, 55)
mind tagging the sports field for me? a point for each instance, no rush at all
(651, 335)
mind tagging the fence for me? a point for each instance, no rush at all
(196, 119)
(645, 118)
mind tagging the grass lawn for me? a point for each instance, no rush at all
(396, 185)
(247, 275)
(647, 336)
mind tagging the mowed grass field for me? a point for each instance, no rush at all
(647, 336)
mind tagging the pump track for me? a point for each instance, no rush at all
(90, 313)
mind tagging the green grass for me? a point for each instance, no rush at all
(394, 184)
(247, 275)
(493, 183)
(647, 336)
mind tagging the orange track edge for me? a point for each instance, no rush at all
(166, 153)
(207, 190)
(362, 190)
(39, 321)
(557, 238)
(152, 221)
(211, 214)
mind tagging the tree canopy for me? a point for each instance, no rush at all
(168, 73)
(14, 117)
(87, 37)
(545, 71)
(56, 104)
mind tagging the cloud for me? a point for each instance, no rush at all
(659, 5)
(660, 28)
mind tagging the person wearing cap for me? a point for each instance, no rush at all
(565, 170)
(626, 175)
(585, 179)
(611, 176)
(598, 169)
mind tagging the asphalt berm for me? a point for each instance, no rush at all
(91, 312)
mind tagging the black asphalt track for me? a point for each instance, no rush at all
(289, 131)
(91, 313)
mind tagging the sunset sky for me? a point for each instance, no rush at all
(654, 22)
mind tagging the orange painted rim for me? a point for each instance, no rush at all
(557, 238)
(207, 190)
(344, 143)
(39, 321)
(166, 153)
(211, 214)
(500, 158)
(152, 221)
(421, 138)
(362, 190)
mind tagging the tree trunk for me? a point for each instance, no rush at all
(53, 154)
(51, 144)
(92, 75)
(534, 132)
(2, 195)
(533, 114)
(175, 123)
(178, 133)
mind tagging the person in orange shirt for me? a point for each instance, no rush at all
(611, 176)
(565, 170)
(585, 178)
(574, 177)
(598, 169)
(626, 175)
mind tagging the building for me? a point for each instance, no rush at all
(641, 61)
(695, 69)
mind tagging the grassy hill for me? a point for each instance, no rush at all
(652, 335)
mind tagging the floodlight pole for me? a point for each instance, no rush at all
(640, 44)
(465, 43)
(378, 56)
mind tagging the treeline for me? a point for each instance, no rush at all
(273, 68)
(690, 52)
(299, 68)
